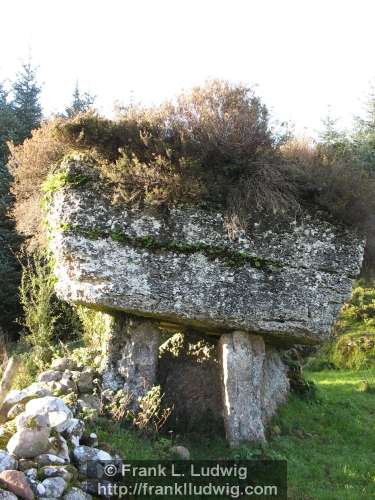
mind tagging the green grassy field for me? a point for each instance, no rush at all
(329, 442)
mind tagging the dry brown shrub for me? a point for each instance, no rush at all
(211, 147)
(219, 124)
(29, 164)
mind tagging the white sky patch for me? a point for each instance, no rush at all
(303, 55)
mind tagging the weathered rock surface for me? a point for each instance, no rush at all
(7, 462)
(27, 443)
(130, 356)
(7, 495)
(181, 452)
(77, 494)
(16, 482)
(36, 390)
(156, 264)
(51, 408)
(252, 377)
(54, 487)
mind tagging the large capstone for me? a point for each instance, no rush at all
(282, 278)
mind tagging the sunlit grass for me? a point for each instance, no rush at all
(329, 443)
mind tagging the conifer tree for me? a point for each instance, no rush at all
(9, 268)
(26, 94)
(80, 102)
(8, 124)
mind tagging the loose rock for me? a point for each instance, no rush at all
(7, 495)
(25, 464)
(49, 459)
(36, 390)
(62, 364)
(85, 381)
(7, 462)
(28, 443)
(31, 474)
(16, 482)
(55, 470)
(59, 447)
(15, 411)
(51, 407)
(49, 376)
(54, 487)
(181, 451)
(77, 494)
(74, 431)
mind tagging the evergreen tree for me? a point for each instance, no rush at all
(26, 93)
(364, 135)
(334, 143)
(8, 123)
(80, 102)
(330, 133)
(18, 117)
(9, 268)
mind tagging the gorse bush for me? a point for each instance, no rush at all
(353, 350)
(353, 345)
(361, 307)
(47, 320)
(36, 296)
(94, 327)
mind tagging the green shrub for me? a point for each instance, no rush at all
(46, 319)
(353, 345)
(354, 351)
(361, 307)
(94, 327)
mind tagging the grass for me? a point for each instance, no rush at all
(328, 443)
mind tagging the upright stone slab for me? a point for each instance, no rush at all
(139, 357)
(275, 384)
(114, 326)
(130, 354)
(254, 384)
(242, 357)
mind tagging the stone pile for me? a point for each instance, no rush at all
(48, 449)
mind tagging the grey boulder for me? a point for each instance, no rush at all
(28, 443)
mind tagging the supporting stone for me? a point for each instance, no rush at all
(242, 356)
(114, 331)
(275, 387)
(254, 384)
(130, 354)
(139, 357)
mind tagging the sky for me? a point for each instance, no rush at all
(302, 56)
